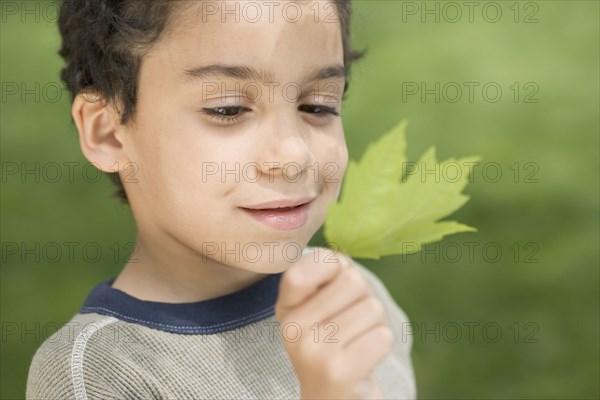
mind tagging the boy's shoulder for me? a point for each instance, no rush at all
(401, 327)
(381, 291)
(58, 368)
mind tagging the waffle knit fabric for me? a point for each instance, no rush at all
(231, 347)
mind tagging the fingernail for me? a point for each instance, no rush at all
(346, 261)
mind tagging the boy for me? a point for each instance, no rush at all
(222, 120)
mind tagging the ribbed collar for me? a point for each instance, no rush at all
(220, 314)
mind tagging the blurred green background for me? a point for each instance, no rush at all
(519, 324)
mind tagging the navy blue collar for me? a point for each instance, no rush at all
(220, 314)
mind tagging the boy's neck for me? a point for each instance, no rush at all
(184, 277)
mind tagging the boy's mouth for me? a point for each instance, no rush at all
(281, 214)
(281, 204)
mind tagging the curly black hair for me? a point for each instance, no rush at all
(104, 41)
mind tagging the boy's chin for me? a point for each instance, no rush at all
(263, 256)
(275, 267)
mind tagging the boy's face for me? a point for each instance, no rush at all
(197, 173)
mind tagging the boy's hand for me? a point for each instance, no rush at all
(334, 361)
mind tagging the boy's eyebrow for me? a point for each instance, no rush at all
(248, 73)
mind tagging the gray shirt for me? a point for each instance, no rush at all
(231, 347)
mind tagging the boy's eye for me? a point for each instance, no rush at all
(319, 110)
(225, 111)
(229, 114)
(232, 114)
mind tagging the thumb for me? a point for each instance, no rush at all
(305, 277)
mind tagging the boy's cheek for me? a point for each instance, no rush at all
(337, 167)
(337, 179)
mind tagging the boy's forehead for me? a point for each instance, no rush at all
(276, 44)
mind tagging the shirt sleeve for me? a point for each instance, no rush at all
(396, 377)
(72, 365)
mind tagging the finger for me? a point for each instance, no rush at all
(367, 351)
(303, 280)
(369, 389)
(348, 287)
(332, 256)
(359, 318)
(345, 261)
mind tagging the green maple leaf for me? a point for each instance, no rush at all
(389, 206)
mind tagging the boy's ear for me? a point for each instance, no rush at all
(99, 130)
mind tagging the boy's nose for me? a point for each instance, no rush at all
(286, 148)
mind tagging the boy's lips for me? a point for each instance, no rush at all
(287, 214)
(283, 203)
